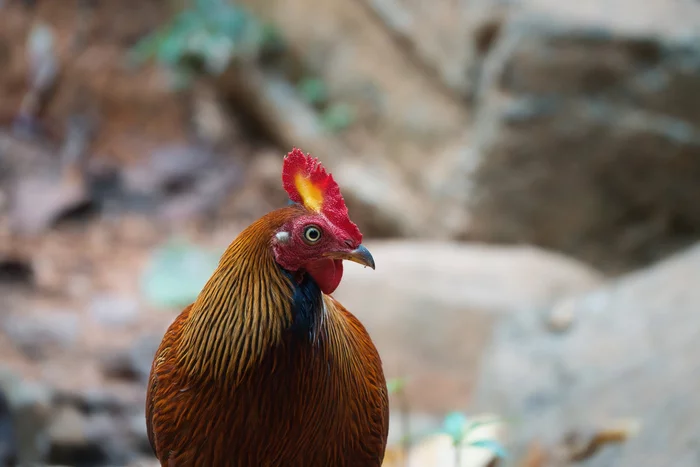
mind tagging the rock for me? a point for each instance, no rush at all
(111, 436)
(430, 307)
(30, 407)
(38, 332)
(53, 189)
(98, 439)
(367, 68)
(41, 199)
(8, 442)
(110, 310)
(94, 400)
(261, 190)
(138, 432)
(91, 59)
(629, 354)
(181, 180)
(562, 316)
(401, 113)
(133, 363)
(167, 169)
(448, 39)
(145, 462)
(16, 272)
(375, 189)
(99, 426)
(67, 429)
(588, 131)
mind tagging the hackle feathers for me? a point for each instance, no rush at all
(242, 310)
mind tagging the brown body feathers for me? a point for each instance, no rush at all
(265, 370)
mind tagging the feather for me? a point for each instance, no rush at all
(263, 369)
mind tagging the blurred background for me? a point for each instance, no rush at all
(525, 173)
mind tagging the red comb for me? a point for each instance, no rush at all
(326, 197)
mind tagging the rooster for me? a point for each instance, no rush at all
(266, 368)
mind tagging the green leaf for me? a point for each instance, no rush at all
(337, 117)
(146, 48)
(493, 446)
(313, 91)
(176, 274)
(454, 424)
(271, 37)
(208, 32)
(171, 49)
(395, 385)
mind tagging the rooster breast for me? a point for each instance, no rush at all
(317, 397)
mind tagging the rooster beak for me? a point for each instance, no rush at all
(360, 255)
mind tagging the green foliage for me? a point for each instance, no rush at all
(458, 426)
(454, 425)
(333, 117)
(493, 446)
(206, 37)
(313, 91)
(337, 117)
(176, 274)
(395, 385)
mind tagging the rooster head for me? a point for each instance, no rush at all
(321, 236)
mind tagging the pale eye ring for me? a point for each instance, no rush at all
(312, 234)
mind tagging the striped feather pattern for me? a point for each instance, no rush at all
(233, 384)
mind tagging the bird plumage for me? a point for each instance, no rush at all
(264, 369)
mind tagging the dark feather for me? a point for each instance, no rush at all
(307, 307)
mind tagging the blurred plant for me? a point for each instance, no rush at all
(313, 91)
(395, 385)
(458, 426)
(334, 117)
(206, 37)
(176, 273)
(43, 70)
(337, 117)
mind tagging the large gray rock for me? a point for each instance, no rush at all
(588, 130)
(431, 307)
(569, 125)
(405, 121)
(448, 39)
(630, 352)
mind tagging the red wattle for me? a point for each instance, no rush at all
(327, 273)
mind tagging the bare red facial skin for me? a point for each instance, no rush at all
(295, 254)
(319, 193)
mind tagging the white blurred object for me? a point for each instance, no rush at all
(41, 54)
(43, 70)
(439, 450)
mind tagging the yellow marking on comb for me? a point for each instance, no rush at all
(310, 193)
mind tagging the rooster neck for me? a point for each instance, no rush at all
(249, 306)
(308, 310)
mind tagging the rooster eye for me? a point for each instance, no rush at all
(312, 234)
